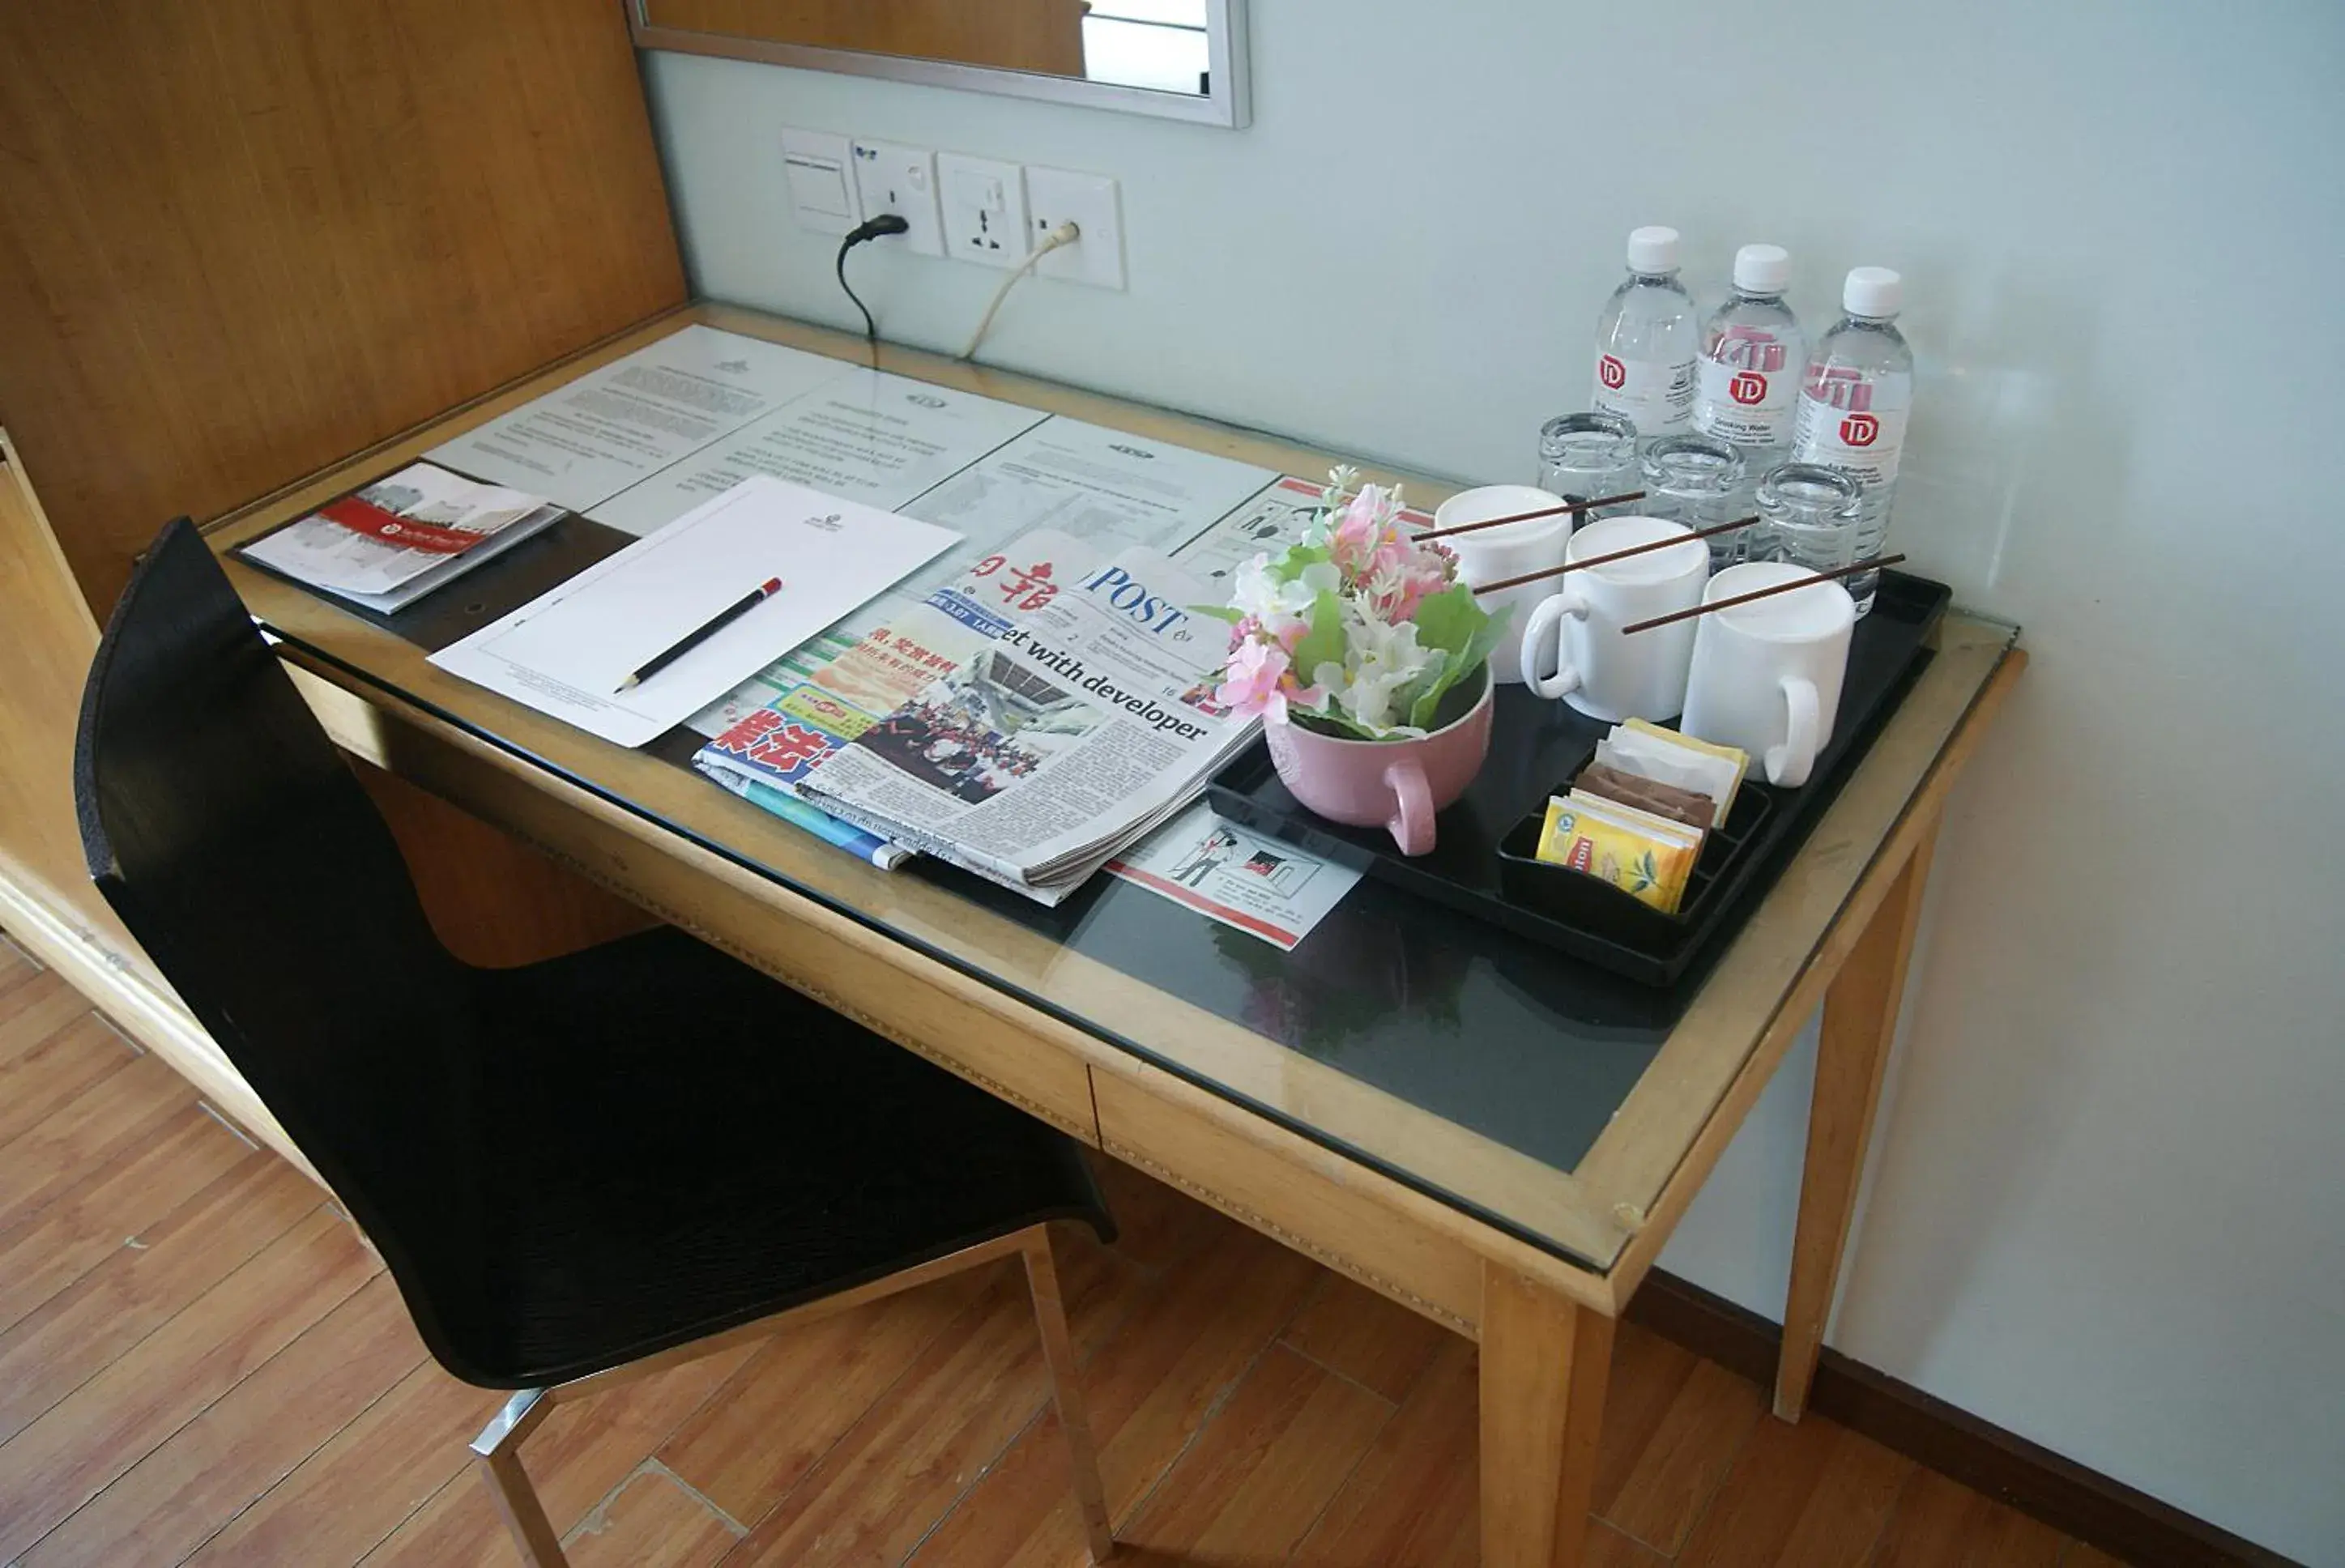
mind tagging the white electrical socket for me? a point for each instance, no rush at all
(901, 180)
(984, 209)
(1055, 196)
(821, 181)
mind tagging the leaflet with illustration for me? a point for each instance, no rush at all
(1265, 525)
(1083, 717)
(1246, 880)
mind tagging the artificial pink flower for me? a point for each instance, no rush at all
(1359, 532)
(1256, 668)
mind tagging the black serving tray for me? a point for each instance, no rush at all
(1482, 862)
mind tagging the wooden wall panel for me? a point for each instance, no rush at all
(490, 898)
(47, 639)
(240, 241)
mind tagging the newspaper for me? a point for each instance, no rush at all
(1075, 716)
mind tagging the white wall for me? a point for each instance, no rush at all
(2108, 1210)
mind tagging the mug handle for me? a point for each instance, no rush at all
(1411, 824)
(1549, 616)
(1790, 764)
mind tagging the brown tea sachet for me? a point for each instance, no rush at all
(1695, 809)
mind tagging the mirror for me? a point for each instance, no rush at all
(1184, 59)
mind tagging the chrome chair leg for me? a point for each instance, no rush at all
(498, 1448)
(1066, 1392)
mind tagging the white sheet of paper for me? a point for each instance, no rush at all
(611, 427)
(1246, 880)
(875, 438)
(567, 652)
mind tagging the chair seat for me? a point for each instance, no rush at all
(685, 1144)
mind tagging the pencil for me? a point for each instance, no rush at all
(693, 639)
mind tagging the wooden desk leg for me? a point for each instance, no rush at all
(1852, 1050)
(1545, 1365)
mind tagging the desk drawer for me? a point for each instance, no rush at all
(1306, 1196)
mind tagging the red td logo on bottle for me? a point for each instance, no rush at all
(1611, 372)
(1748, 386)
(1859, 429)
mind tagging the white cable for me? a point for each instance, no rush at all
(1065, 234)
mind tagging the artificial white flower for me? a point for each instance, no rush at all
(1258, 591)
(1380, 661)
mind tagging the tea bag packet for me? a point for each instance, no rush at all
(1688, 807)
(1681, 762)
(1646, 856)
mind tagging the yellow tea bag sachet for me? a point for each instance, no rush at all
(1646, 856)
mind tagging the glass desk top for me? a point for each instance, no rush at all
(1523, 1086)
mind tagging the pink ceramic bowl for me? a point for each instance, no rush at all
(1397, 785)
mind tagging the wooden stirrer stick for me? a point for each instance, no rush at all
(1849, 570)
(1576, 506)
(1546, 572)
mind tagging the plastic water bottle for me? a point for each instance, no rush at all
(1646, 341)
(1852, 405)
(1752, 352)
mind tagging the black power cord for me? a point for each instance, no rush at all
(885, 224)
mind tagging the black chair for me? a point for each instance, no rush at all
(576, 1171)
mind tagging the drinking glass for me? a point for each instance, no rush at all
(1582, 456)
(1698, 481)
(1807, 516)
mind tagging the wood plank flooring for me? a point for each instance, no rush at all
(201, 1364)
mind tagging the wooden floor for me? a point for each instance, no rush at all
(199, 1363)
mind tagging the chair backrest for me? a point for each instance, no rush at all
(224, 827)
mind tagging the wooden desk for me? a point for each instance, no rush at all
(1428, 1188)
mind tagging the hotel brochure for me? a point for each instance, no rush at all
(391, 543)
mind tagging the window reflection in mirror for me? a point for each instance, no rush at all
(1162, 46)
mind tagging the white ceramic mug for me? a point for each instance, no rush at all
(1767, 675)
(1494, 554)
(1577, 628)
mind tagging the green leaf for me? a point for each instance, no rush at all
(1323, 643)
(1337, 722)
(1229, 612)
(1420, 710)
(1448, 619)
(1485, 637)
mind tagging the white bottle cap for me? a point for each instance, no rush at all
(1762, 269)
(1872, 291)
(1653, 250)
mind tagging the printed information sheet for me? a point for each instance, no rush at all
(878, 438)
(1245, 879)
(616, 426)
(1103, 486)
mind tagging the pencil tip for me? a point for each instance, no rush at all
(629, 684)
